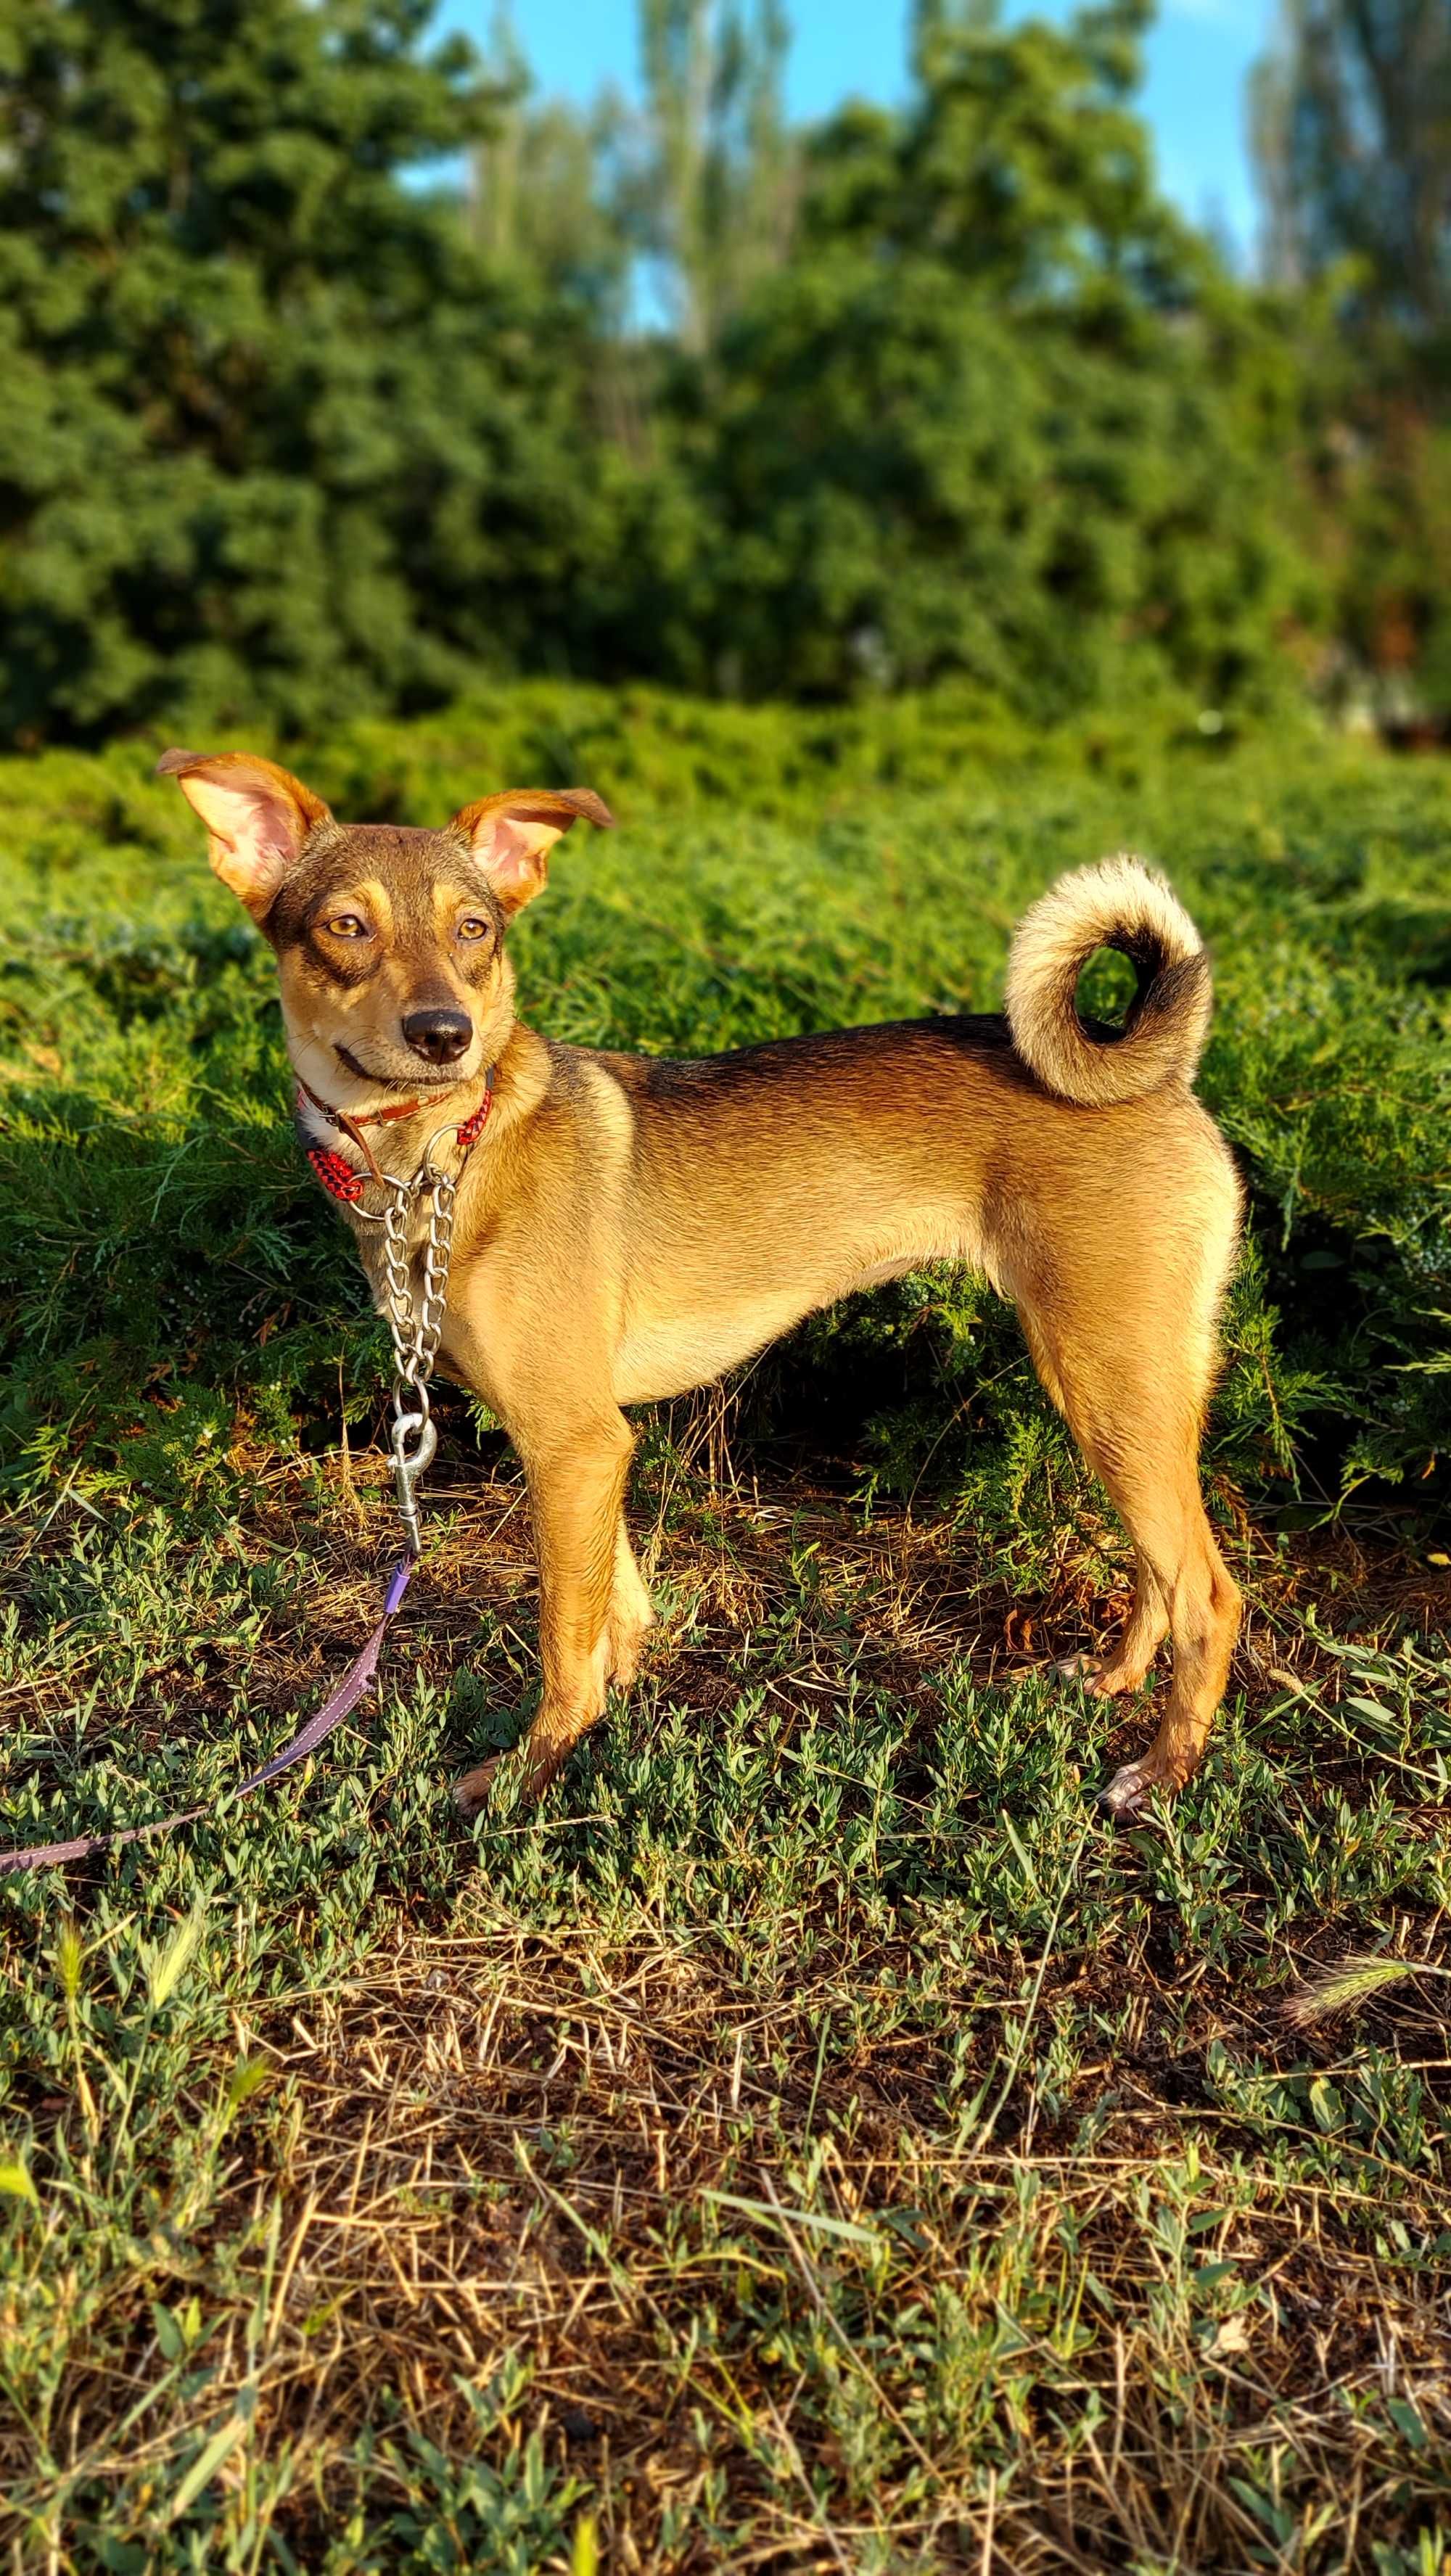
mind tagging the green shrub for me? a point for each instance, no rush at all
(166, 1259)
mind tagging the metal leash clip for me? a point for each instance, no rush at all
(408, 1466)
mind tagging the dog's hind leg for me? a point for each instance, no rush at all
(1131, 1374)
(1159, 1501)
(1104, 1676)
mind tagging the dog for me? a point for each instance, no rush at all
(633, 1226)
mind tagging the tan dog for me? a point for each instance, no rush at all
(631, 1227)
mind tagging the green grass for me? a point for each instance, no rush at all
(814, 2139)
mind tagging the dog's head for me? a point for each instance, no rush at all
(390, 942)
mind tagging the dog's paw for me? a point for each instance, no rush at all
(1129, 1792)
(625, 1648)
(1079, 1668)
(471, 1793)
(509, 1780)
(1102, 1676)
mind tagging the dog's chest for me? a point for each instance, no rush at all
(373, 1253)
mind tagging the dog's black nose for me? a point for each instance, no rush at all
(438, 1034)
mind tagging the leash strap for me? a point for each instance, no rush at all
(356, 1680)
(416, 1329)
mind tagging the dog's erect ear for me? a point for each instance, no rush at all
(257, 816)
(512, 835)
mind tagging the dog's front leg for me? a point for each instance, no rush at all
(576, 1477)
(631, 1614)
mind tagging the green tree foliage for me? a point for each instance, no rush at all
(274, 438)
(1351, 123)
(1002, 414)
(1352, 131)
(293, 427)
(547, 190)
(717, 163)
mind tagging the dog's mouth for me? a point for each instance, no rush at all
(443, 1078)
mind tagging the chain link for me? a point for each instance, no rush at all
(416, 1325)
(414, 1320)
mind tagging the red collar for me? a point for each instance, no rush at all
(338, 1176)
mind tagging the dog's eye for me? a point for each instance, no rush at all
(472, 928)
(347, 925)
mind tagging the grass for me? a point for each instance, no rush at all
(814, 2139)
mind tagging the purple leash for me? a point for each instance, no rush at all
(341, 1704)
(416, 1325)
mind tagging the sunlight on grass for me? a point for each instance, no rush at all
(814, 2138)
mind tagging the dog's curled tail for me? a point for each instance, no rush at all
(1115, 905)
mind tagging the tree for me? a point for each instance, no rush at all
(1351, 126)
(548, 190)
(712, 198)
(1002, 415)
(274, 439)
(291, 429)
(694, 187)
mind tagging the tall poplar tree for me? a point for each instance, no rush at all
(1351, 125)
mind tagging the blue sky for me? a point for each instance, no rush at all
(1197, 55)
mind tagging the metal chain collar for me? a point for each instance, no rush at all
(416, 1326)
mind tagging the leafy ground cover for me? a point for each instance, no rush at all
(813, 2139)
